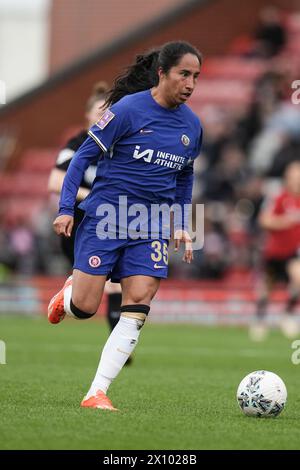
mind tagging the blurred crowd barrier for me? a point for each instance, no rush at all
(226, 302)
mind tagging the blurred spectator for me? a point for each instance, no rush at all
(215, 261)
(7, 258)
(289, 152)
(270, 35)
(47, 257)
(8, 142)
(218, 129)
(269, 92)
(223, 179)
(282, 127)
(280, 218)
(22, 245)
(249, 205)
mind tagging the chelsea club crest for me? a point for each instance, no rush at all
(185, 139)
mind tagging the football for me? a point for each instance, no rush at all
(262, 394)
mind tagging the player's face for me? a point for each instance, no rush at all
(179, 82)
(94, 114)
(292, 178)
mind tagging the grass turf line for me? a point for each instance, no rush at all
(178, 394)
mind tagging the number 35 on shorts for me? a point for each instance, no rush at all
(160, 254)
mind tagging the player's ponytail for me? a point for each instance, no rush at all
(139, 76)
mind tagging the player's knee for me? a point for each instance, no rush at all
(85, 303)
(138, 299)
(80, 314)
(143, 296)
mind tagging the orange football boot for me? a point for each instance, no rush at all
(100, 400)
(56, 311)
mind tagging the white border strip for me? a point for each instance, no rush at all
(101, 145)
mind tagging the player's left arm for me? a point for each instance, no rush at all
(183, 198)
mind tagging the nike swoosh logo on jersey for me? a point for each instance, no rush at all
(157, 266)
(145, 131)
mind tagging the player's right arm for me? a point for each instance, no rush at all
(84, 156)
(274, 217)
(113, 124)
(269, 221)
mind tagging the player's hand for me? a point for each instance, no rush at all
(182, 236)
(63, 225)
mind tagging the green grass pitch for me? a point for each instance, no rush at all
(178, 394)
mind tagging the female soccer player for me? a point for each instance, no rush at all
(148, 139)
(94, 107)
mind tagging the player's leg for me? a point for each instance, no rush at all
(140, 268)
(293, 270)
(114, 299)
(137, 292)
(82, 292)
(258, 328)
(79, 298)
(289, 324)
(113, 309)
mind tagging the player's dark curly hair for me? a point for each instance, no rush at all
(143, 73)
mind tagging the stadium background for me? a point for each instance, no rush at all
(47, 75)
(237, 168)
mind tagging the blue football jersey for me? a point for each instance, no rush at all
(148, 153)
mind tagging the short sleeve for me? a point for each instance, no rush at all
(273, 205)
(114, 124)
(278, 207)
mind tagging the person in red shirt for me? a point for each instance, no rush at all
(281, 256)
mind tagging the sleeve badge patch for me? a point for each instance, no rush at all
(106, 117)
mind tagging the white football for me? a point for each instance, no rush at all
(262, 394)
